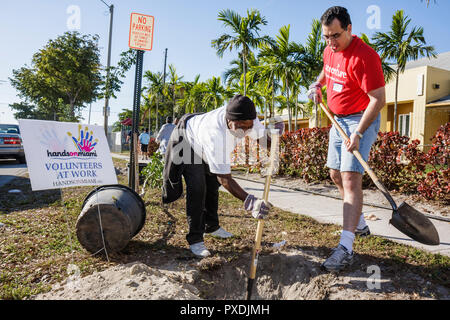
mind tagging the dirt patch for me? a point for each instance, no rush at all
(292, 274)
(134, 281)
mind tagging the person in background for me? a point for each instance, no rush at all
(164, 134)
(144, 139)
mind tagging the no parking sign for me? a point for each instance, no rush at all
(141, 31)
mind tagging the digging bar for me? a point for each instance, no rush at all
(259, 229)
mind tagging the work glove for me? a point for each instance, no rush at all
(258, 207)
(315, 92)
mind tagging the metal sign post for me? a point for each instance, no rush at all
(134, 159)
(140, 38)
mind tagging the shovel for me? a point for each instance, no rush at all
(259, 229)
(404, 217)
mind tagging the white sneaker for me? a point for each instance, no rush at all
(221, 233)
(199, 249)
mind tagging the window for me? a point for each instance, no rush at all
(403, 120)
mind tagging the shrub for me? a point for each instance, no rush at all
(397, 162)
(153, 172)
(152, 146)
(304, 154)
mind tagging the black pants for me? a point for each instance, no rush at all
(202, 200)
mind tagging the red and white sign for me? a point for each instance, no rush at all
(141, 31)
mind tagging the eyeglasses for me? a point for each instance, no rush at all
(333, 36)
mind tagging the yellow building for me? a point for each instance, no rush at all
(423, 102)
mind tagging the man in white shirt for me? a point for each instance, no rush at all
(164, 134)
(200, 150)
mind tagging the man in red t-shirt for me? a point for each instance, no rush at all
(355, 84)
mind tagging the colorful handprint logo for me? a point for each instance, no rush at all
(85, 141)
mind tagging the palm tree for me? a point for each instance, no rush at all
(245, 35)
(313, 55)
(174, 85)
(388, 71)
(286, 59)
(155, 90)
(265, 71)
(214, 95)
(193, 95)
(236, 72)
(399, 46)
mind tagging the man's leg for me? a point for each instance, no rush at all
(194, 176)
(211, 203)
(353, 199)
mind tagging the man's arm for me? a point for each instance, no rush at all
(227, 181)
(321, 78)
(377, 101)
(158, 137)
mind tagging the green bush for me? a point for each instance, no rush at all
(153, 172)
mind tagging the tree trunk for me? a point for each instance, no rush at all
(395, 101)
(149, 120)
(273, 97)
(296, 112)
(245, 71)
(173, 105)
(265, 113)
(156, 118)
(288, 106)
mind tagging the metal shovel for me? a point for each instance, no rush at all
(404, 217)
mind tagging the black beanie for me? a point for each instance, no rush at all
(240, 108)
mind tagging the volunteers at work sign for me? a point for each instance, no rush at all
(64, 154)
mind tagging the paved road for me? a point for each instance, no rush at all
(9, 170)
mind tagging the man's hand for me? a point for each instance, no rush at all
(258, 207)
(352, 143)
(315, 92)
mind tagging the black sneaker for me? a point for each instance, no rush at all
(339, 259)
(364, 232)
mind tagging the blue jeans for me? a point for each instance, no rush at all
(338, 156)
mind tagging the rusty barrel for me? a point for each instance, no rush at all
(122, 213)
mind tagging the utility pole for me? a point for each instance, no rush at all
(164, 75)
(90, 107)
(106, 109)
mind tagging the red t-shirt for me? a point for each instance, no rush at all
(350, 74)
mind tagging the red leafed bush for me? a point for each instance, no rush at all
(304, 154)
(397, 162)
(152, 146)
(439, 153)
(436, 184)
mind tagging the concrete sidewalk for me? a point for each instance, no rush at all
(328, 210)
(127, 157)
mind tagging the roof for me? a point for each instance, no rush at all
(127, 122)
(442, 101)
(442, 61)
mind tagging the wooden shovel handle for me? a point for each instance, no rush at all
(358, 156)
(259, 229)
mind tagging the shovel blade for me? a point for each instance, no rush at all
(415, 225)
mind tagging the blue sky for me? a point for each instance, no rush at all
(186, 28)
